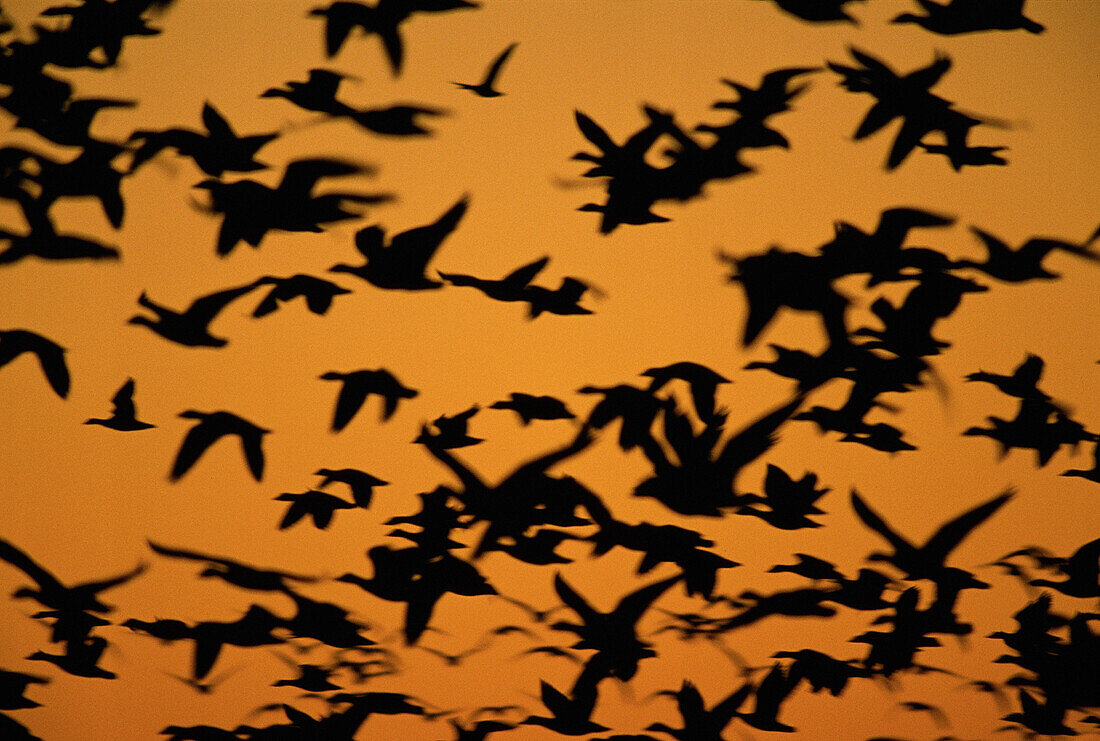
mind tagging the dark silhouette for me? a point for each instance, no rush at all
(485, 88)
(317, 504)
(123, 414)
(211, 427)
(357, 385)
(402, 263)
(51, 356)
(234, 572)
(511, 287)
(361, 484)
(969, 16)
(530, 407)
(818, 11)
(1026, 261)
(217, 151)
(383, 18)
(317, 292)
(1081, 570)
(192, 326)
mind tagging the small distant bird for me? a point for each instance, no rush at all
(211, 427)
(123, 414)
(402, 263)
(357, 385)
(817, 11)
(485, 87)
(530, 407)
(51, 356)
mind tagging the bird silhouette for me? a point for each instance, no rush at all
(252, 209)
(317, 504)
(702, 380)
(51, 356)
(1026, 261)
(384, 19)
(450, 431)
(927, 561)
(12, 687)
(1090, 474)
(1081, 569)
(190, 327)
(509, 288)
(317, 292)
(817, 11)
(969, 16)
(235, 572)
(395, 120)
(217, 151)
(211, 427)
(701, 724)
(530, 407)
(357, 385)
(317, 93)
(485, 88)
(51, 593)
(44, 242)
(361, 483)
(123, 414)
(402, 263)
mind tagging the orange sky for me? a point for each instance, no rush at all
(83, 499)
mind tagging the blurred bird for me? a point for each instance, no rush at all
(51, 356)
(192, 326)
(357, 385)
(211, 427)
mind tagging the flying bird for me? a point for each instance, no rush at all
(402, 263)
(357, 385)
(51, 356)
(190, 327)
(123, 414)
(485, 88)
(211, 427)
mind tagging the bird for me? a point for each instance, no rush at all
(211, 427)
(190, 327)
(395, 120)
(51, 593)
(701, 724)
(485, 88)
(317, 292)
(317, 504)
(402, 263)
(51, 356)
(361, 483)
(702, 380)
(509, 288)
(44, 242)
(1082, 570)
(969, 16)
(530, 407)
(927, 561)
(1026, 261)
(383, 19)
(817, 11)
(451, 431)
(234, 572)
(1090, 474)
(357, 385)
(215, 152)
(317, 93)
(123, 414)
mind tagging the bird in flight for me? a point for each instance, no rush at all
(357, 385)
(51, 356)
(211, 427)
(485, 88)
(123, 414)
(190, 327)
(401, 263)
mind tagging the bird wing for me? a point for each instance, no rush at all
(871, 519)
(350, 400)
(253, 453)
(206, 308)
(103, 584)
(301, 175)
(51, 357)
(633, 606)
(523, 275)
(944, 540)
(418, 245)
(217, 126)
(123, 400)
(494, 68)
(574, 601)
(27, 565)
(912, 131)
(198, 439)
(189, 554)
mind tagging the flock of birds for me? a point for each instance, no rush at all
(696, 453)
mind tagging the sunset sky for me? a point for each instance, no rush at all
(83, 499)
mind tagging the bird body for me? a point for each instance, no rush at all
(211, 427)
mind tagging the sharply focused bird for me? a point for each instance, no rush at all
(123, 414)
(485, 87)
(211, 427)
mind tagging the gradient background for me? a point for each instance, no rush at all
(82, 499)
